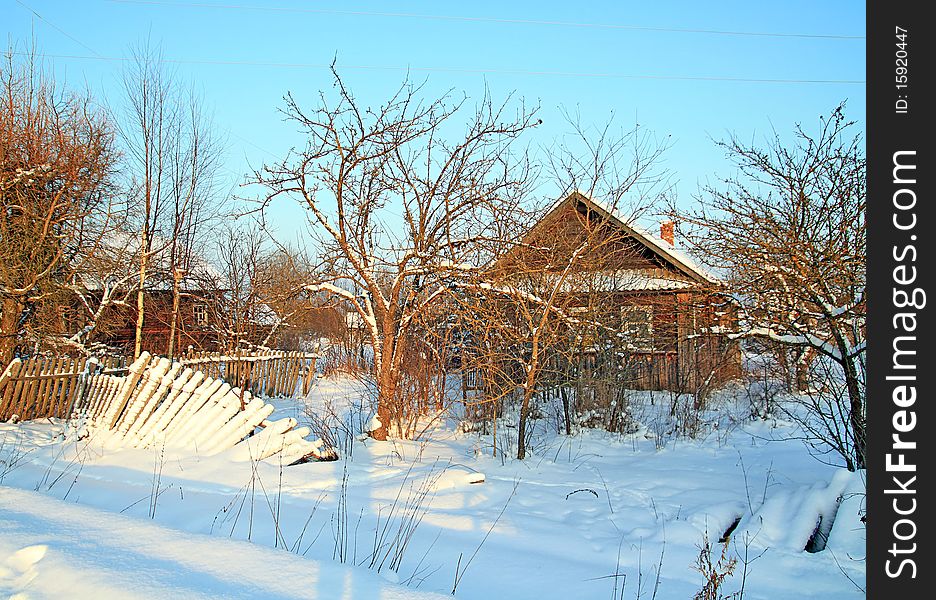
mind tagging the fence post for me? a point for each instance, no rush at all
(82, 384)
(6, 386)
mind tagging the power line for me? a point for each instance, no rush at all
(618, 26)
(437, 69)
(57, 28)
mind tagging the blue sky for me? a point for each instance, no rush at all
(690, 70)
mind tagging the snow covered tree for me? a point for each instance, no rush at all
(400, 202)
(56, 158)
(789, 233)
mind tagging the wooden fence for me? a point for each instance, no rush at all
(157, 401)
(44, 386)
(41, 386)
(268, 373)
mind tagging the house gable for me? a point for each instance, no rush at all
(622, 253)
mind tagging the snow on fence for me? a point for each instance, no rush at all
(158, 402)
(261, 372)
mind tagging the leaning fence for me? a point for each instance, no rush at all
(158, 401)
(42, 386)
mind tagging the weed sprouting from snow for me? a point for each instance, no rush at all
(746, 557)
(76, 461)
(274, 506)
(639, 569)
(12, 454)
(390, 534)
(659, 568)
(618, 575)
(159, 460)
(233, 510)
(747, 487)
(459, 574)
(297, 545)
(337, 431)
(714, 571)
(402, 522)
(74, 480)
(56, 456)
(607, 492)
(340, 520)
(851, 579)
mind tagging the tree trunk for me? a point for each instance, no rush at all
(9, 328)
(174, 320)
(138, 336)
(386, 390)
(521, 425)
(383, 414)
(386, 384)
(803, 359)
(566, 409)
(529, 388)
(856, 409)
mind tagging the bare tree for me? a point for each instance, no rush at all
(534, 306)
(195, 159)
(97, 291)
(280, 285)
(265, 301)
(239, 251)
(173, 156)
(790, 234)
(56, 157)
(398, 206)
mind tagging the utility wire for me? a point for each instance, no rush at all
(285, 9)
(432, 69)
(57, 28)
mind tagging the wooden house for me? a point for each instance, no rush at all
(643, 303)
(197, 324)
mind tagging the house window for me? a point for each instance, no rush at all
(201, 315)
(637, 326)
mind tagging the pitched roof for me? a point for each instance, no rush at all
(677, 258)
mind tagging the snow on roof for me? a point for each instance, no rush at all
(627, 280)
(675, 256)
(265, 315)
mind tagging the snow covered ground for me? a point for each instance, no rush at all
(54, 549)
(582, 518)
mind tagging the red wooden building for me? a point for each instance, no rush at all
(197, 324)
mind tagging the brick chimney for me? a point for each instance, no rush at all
(666, 232)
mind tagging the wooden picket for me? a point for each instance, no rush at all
(186, 405)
